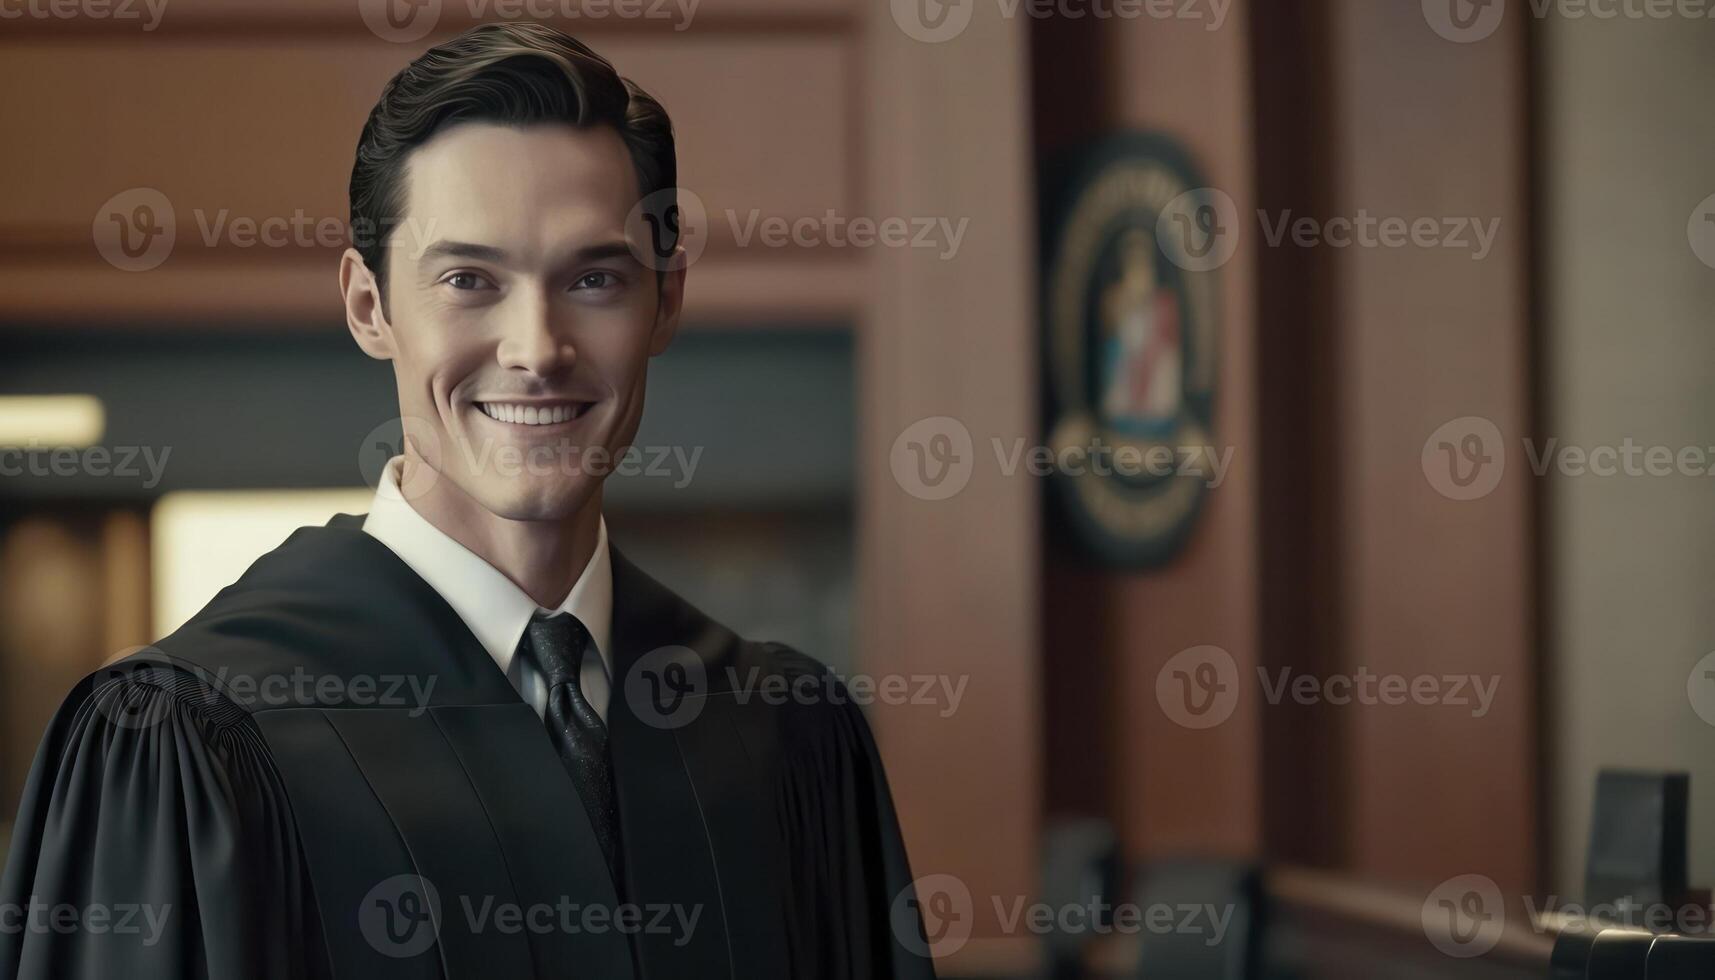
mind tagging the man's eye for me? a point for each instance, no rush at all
(596, 280)
(465, 281)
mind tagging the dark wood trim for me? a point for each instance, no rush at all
(1535, 190)
(1394, 914)
(1325, 924)
(1299, 400)
(281, 23)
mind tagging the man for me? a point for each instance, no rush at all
(464, 736)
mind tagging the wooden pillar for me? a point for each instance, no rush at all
(1366, 109)
(1170, 789)
(949, 586)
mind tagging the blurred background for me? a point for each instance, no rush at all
(1439, 301)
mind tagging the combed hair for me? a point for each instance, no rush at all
(512, 73)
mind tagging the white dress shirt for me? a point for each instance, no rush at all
(496, 609)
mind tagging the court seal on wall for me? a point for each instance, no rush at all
(1133, 241)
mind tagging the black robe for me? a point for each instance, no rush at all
(324, 774)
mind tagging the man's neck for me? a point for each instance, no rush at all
(544, 558)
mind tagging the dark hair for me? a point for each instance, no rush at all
(514, 73)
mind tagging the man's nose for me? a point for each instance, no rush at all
(530, 339)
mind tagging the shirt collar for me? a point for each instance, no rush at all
(494, 608)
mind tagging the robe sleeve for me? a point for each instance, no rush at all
(154, 841)
(851, 909)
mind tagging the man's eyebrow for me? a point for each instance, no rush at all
(463, 250)
(602, 250)
(489, 253)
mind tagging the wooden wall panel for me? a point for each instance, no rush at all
(1341, 557)
(52, 629)
(1436, 586)
(585, 18)
(264, 130)
(1169, 789)
(268, 130)
(949, 586)
(1306, 768)
(1366, 110)
(1186, 790)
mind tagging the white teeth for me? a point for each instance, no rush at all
(527, 414)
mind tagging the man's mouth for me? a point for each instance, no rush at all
(534, 413)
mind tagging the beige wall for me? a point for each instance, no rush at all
(1628, 153)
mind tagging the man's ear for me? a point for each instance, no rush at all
(364, 314)
(668, 309)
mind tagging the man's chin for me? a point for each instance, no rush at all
(531, 500)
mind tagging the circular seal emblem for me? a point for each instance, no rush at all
(1134, 245)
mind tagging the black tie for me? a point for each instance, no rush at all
(558, 643)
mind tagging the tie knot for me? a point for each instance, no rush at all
(558, 643)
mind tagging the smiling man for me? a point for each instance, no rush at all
(463, 735)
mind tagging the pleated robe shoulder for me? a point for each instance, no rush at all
(323, 774)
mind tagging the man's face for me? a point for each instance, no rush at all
(521, 324)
